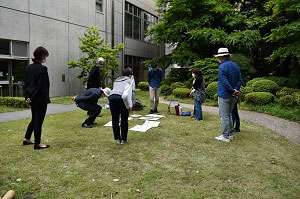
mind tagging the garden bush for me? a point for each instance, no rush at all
(165, 90)
(211, 90)
(244, 91)
(181, 92)
(265, 86)
(166, 81)
(281, 81)
(297, 98)
(246, 65)
(177, 85)
(294, 82)
(259, 98)
(252, 81)
(209, 68)
(216, 97)
(189, 83)
(144, 86)
(285, 91)
(16, 102)
(287, 100)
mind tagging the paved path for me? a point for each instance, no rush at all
(52, 109)
(291, 130)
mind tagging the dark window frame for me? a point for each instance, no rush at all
(99, 3)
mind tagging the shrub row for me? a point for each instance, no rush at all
(181, 92)
(259, 98)
(16, 102)
(144, 86)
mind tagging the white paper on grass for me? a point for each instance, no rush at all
(155, 115)
(108, 124)
(135, 115)
(145, 127)
(130, 118)
(149, 118)
(151, 123)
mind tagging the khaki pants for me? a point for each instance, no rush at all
(154, 97)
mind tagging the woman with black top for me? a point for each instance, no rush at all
(37, 95)
(198, 93)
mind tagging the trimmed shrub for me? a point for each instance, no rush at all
(16, 102)
(297, 98)
(294, 82)
(265, 86)
(281, 81)
(211, 90)
(177, 85)
(181, 92)
(216, 97)
(288, 100)
(252, 81)
(189, 83)
(144, 86)
(259, 98)
(165, 90)
(166, 81)
(285, 91)
(244, 91)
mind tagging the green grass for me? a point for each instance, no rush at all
(179, 159)
(4, 109)
(62, 100)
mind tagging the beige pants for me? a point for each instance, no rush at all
(154, 97)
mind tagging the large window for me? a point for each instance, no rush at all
(137, 65)
(99, 5)
(13, 48)
(138, 22)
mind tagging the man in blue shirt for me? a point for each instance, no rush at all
(229, 83)
(154, 79)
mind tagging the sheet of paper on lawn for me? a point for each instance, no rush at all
(155, 115)
(151, 123)
(135, 115)
(149, 118)
(108, 124)
(145, 127)
(130, 118)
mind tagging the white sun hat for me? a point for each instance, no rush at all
(222, 52)
(106, 91)
(100, 59)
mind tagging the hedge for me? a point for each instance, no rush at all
(251, 82)
(177, 85)
(259, 98)
(165, 89)
(244, 91)
(181, 92)
(297, 98)
(211, 90)
(144, 86)
(16, 102)
(285, 91)
(288, 100)
(265, 86)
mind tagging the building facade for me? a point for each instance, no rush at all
(56, 25)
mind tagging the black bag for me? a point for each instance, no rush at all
(137, 105)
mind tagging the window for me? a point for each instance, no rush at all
(99, 5)
(149, 21)
(13, 48)
(4, 47)
(137, 66)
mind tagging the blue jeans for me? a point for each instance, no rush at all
(197, 110)
(236, 117)
(225, 110)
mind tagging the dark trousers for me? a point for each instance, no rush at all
(117, 108)
(236, 117)
(38, 112)
(93, 111)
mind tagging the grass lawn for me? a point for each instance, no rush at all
(179, 159)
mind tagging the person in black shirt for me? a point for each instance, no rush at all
(37, 87)
(94, 80)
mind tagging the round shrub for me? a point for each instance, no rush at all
(177, 85)
(259, 98)
(211, 90)
(288, 100)
(165, 90)
(181, 92)
(244, 91)
(144, 86)
(265, 86)
(16, 102)
(297, 98)
(216, 97)
(249, 83)
(285, 91)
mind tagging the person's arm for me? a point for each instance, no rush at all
(224, 80)
(239, 83)
(91, 75)
(84, 96)
(41, 83)
(149, 75)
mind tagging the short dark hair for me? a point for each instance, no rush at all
(39, 53)
(197, 71)
(127, 72)
(154, 65)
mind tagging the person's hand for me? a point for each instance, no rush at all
(191, 94)
(236, 93)
(73, 98)
(28, 100)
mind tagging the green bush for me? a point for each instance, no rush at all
(288, 100)
(189, 83)
(285, 91)
(216, 97)
(294, 82)
(297, 98)
(166, 81)
(16, 102)
(177, 85)
(246, 65)
(252, 81)
(244, 91)
(259, 98)
(211, 90)
(181, 92)
(144, 86)
(165, 90)
(179, 75)
(281, 81)
(209, 67)
(265, 86)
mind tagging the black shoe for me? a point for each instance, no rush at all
(151, 111)
(36, 147)
(237, 130)
(85, 126)
(27, 143)
(155, 111)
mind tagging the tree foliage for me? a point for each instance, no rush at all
(93, 47)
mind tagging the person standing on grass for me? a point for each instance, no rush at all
(37, 87)
(94, 80)
(120, 103)
(88, 101)
(198, 93)
(229, 83)
(154, 79)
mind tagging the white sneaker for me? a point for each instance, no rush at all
(222, 138)
(231, 137)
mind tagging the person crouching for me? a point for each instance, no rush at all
(88, 101)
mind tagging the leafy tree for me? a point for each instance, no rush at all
(92, 46)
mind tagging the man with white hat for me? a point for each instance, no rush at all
(229, 83)
(88, 102)
(94, 80)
